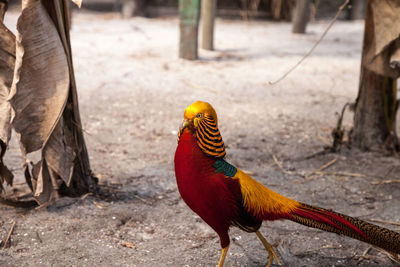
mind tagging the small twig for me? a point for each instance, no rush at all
(364, 255)
(338, 133)
(143, 200)
(9, 234)
(320, 169)
(315, 45)
(313, 155)
(383, 222)
(86, 195)
(97, 204)
(385, 182)
(279, 164)
(38, 237)
(342, 174)
(393, 256)
(327, 165)
(42, 206)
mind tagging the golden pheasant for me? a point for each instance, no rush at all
(223, 195)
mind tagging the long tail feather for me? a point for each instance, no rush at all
(331, 221)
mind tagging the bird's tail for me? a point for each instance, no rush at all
(331, 221)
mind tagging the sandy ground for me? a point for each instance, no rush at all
(133, 90)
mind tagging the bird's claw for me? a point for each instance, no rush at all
(270, 249)
(272, 255)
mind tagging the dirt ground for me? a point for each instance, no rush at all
(133, 90)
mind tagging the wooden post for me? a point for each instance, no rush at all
(132, 8)
(189, 13)
(357, 10)
(208, 10)
(301, 16)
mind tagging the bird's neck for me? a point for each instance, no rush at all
(189, 157)
(188, 146)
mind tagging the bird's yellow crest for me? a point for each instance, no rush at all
(199, 107)
(204, 119)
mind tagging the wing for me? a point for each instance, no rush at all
(259, 201)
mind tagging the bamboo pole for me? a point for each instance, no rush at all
(189, 13)
(301, 16)
(208, 11)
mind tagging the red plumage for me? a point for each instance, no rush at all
(325, 217)
(209, 194)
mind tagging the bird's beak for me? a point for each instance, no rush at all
(185, 124)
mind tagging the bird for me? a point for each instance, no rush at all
(225, 196)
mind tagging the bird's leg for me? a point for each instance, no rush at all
(223, 256)
(269, 248)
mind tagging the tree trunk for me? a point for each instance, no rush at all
(357, 10)
(3, 9)
(301, 16)
(189, 13)
(374, 118)
(208, 10)
(375, 109)
(281, 9)
(132, 8)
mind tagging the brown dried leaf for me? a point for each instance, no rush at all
(383, 31)
(128, 245)
(7, 62)
(41, 80)
(43, 186)
(59, 156)
(78, 3)
(39, 95)
(5, 173)
(386, 22)
(97, 204)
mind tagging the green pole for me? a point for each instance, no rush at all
(189, 14)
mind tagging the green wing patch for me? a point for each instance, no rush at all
(224, 167)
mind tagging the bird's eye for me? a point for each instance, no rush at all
(199, 115)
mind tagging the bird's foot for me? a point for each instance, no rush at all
(270, 249)
(271, 254)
